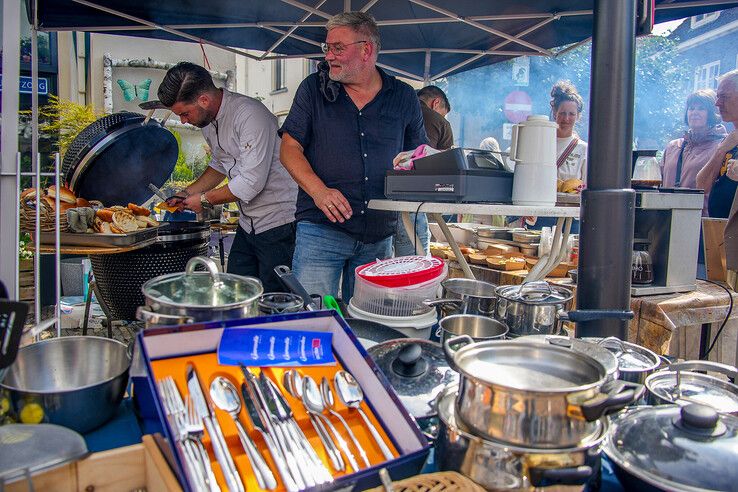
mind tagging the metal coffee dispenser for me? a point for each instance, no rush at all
(670, 221)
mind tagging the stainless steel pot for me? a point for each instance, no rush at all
(76, 382)
(465, 296)
(280, 302)
(532, 308)
(635, 363)
(192, 296)
(534, 395)
(680, 384)
(600, 354)
(500, 466)
(479, 328)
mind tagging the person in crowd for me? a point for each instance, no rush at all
(571, 151)
(684, 157)
(346, 124)
(719, 188)
(435, 107)
(242, 135)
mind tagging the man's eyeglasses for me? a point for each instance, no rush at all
(337, 48)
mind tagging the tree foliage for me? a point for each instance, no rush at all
(659, 91)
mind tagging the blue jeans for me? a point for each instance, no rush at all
(323, 254)
(404, 244)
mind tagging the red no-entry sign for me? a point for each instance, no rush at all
(518, 106)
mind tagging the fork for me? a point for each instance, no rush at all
(196, 429)
(174, 409)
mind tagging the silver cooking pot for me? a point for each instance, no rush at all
(681, 384)
(531, 394)
(465, 296)
(600, 354)
(76, 382)
(479, 328)
(499, 466)
(189, 297)
(635, 363)
(532, 308)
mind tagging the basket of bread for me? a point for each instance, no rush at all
(80, 216)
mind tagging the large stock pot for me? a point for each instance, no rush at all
(531, 394)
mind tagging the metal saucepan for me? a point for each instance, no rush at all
(76, 382)
(500, 466)
(635, 363)
(479, 328)
(280, 302)
(193, 296)
(531, 394)
(681, 384)
(600, 354)
(539, 308)
(465, 296)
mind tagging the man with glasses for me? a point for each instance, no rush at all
(347, 122)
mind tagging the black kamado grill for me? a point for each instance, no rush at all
(113, 160)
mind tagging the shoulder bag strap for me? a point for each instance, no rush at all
(565, 154)
(678, 177)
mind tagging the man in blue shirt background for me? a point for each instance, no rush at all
(347, 122)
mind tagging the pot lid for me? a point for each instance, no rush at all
(694, 387)
(202, 289)
(630, 357)
(528, 366)
(535, 293)
(417, 370)
(676, 448)
(402, 271)
(600, 354)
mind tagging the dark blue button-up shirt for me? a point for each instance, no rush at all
(351, 149)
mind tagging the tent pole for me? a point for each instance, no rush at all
(608, 203)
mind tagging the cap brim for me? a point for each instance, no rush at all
(155, 104)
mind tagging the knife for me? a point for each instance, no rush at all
(157, 192)
(319, 472)
(214, 431)
(257, 420)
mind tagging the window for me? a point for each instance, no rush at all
(311, 66)
(705, 76)
(702, 19)
(278, 78)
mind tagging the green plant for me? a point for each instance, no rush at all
(24, 252)
(63, 120)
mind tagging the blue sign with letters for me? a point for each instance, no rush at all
(26, 84)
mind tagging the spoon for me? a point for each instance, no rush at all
(313, 400)
(330, 404)
(350, 393)
(292, 381)
(225, 396)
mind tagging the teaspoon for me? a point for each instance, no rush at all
(330, 404)
(350, 393)
(225, 396)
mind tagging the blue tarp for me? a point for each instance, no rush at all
(258, 21)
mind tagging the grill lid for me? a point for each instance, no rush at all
(115, 158)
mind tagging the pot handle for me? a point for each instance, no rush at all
(704, 365)
(143, 314)
(546, 477)
(209, 264)
(461, 339)
(594, 314)
(441, 302)
(620, 395)
(289, 280)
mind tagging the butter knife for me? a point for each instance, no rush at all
(233, 480)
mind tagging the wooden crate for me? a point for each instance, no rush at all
(123, 469)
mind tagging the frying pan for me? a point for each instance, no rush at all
(369, 332)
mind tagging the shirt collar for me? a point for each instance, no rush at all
(223, 103)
